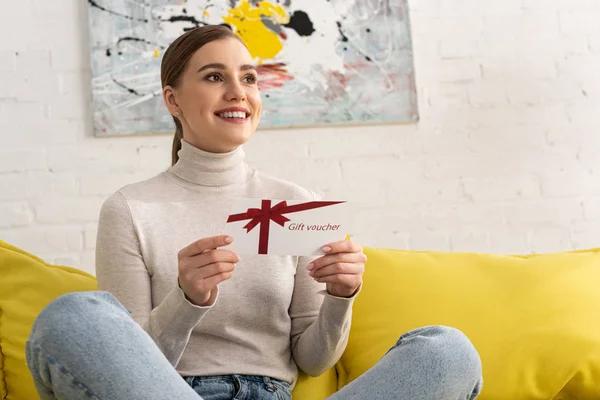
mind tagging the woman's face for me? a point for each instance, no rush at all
(217, 97)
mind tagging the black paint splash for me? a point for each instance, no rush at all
(93, 3)
(185, 18)
(134, 39)
(130, 90)
(345, 40)
(344, 37)
(301, 23)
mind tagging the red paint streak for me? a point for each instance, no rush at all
(283, 35)
(272, 76)
(336, 85)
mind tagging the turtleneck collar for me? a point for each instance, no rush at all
(210, 169)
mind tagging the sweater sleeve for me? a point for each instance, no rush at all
(320, 323)
(120, 270)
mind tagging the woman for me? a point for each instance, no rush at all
(231, 326)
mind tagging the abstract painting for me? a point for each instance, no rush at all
(320, 62)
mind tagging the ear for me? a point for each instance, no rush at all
(170, 99)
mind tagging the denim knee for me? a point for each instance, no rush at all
(458, 349)
(447, 348)
(69, 314)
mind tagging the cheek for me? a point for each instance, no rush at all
(195, 101)
(255, 100)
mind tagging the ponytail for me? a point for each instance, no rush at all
(176, 141)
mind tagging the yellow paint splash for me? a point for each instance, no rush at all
(206, 14)
(156, 53)
(261, 42)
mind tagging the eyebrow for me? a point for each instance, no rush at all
(244, 67)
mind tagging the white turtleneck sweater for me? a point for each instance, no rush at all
(268, 319)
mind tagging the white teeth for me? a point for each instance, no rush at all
(233, 114)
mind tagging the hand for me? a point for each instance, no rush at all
(341, 268)
(202, 266)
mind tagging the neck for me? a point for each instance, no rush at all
(210, 169)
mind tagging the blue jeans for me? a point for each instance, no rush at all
(239, 387)
(85, 345)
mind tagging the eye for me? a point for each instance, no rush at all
(214, 77)
(250, 79)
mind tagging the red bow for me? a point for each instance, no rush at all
(264, 215)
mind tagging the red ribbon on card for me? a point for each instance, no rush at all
(264, 215)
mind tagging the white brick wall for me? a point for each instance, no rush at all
(505, 159)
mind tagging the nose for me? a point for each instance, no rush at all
(235, 91)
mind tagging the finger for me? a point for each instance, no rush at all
(335, 258)
(212, 281)
(338, 268)
(212, 256)
(212, 269)
(192, 275)
(342, 279)
(344, 246)
(189, 265)
(200, 246)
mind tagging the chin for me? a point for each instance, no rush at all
(239, 134)
(231, 136)
(238, 140)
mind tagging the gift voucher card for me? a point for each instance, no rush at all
(280, 227)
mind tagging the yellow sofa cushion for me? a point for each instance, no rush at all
(535, 320)
(27, 285)
(319, 388)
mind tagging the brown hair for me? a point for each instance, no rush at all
(176, 58)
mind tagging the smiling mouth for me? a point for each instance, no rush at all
(234, 115)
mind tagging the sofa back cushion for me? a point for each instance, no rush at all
(535, 320)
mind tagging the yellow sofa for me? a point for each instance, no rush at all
(535, 319)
